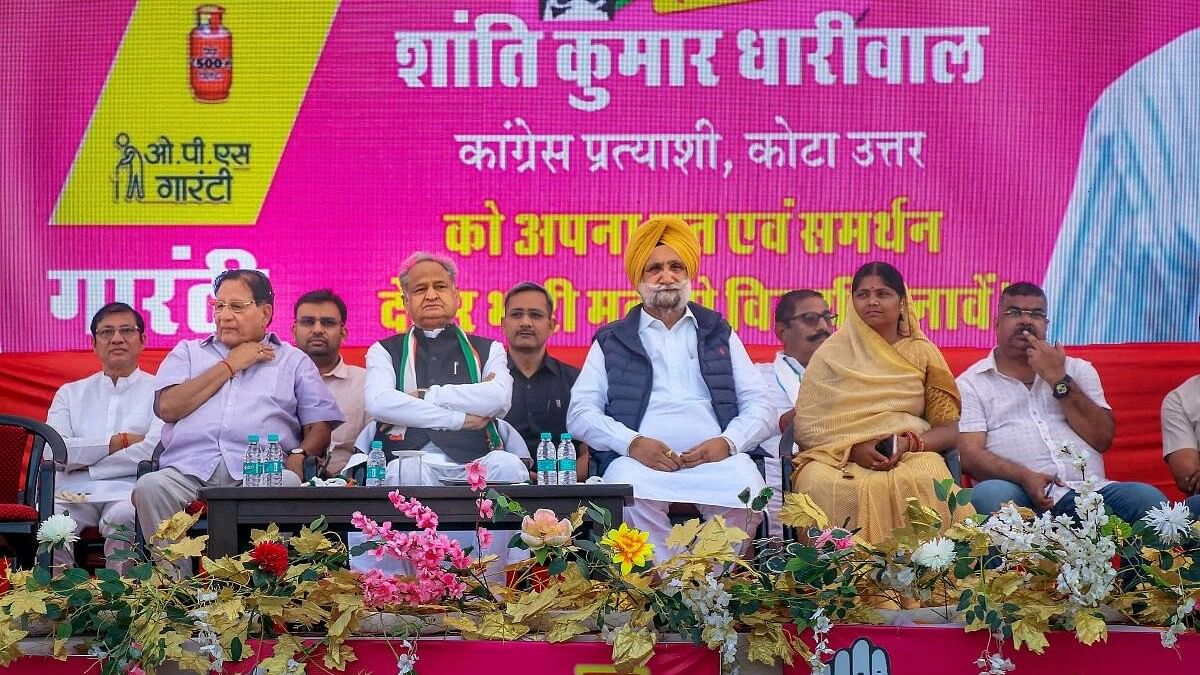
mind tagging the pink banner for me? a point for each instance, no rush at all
(971, 144)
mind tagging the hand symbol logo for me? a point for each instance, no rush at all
(860, 658)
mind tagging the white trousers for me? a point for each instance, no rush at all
(106, 516)
(651, 515)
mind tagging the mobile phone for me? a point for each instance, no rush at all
(887, 446)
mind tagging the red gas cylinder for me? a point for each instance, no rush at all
(210, 47)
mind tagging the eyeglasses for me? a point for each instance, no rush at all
(1017, 312)
(325, 321)
(235, 306)
(106, 334)
(813, 318)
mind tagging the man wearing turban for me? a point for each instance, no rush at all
(668, 399)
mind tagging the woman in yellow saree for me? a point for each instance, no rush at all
(876, 378)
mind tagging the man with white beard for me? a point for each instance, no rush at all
(668, 399)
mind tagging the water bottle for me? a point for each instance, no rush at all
(252, 464)
(273, 476)
(547, 461)
(376, 465)
(566, 461)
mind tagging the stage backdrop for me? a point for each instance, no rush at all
(151, 144)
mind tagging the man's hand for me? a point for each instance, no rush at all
(295, 464)
(247, 354)
(712, 450)
(475, 422)
(1048, 361)
(117, 444)
(654, 454)
(1037, 488)
(1191, 484)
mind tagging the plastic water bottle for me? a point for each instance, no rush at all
(566, 461)
(273, 476)
(252, 464)
(547, 461)
(376, 465)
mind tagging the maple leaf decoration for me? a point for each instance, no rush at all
(271, 556)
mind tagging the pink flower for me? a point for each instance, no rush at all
(825, 537)
(544, 529)
(477, 476)
(486, 508)
(843, 543)
(485, 539)
(136, 669)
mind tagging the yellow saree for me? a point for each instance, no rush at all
(857, 388)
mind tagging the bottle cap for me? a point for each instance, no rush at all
(252, 438)
(547, 436)
(272, 438)
(376, 445)
(565, 437)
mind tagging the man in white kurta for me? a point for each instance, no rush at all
(802, 323)
(668, 398)
(107, 421)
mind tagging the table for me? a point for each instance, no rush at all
(233, 511)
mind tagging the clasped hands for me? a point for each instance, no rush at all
(658, 456)
(865, 455)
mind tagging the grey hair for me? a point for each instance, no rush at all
(425, 256)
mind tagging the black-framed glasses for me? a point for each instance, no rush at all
(1017, 312)
(127, 332)
(235, 306)
(325, 321)
(813, 319)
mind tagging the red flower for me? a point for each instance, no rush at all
(197, 506)
(271, 556)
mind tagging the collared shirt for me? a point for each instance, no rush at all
(782, 380)
(347, 383)
(680, 411)
(87, 413)
(1026, 425)
(444, 406)
(539, 403)
(1181, 417)
(279, 396)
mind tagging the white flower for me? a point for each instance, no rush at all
(994, 664)
(405, 663)
(1168, 638)
(935, 555)
(1172, 523)
(58, 530)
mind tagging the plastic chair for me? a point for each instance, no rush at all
(27, 483)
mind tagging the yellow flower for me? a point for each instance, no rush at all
(629, 546)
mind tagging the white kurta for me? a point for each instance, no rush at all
(87, 413)
(680, 414)
(782, 380)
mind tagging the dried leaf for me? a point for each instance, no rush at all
(496, 627)
(1089, 628)
(532, 604)
(270, 534)
(271, 605)
(768, 643)
(632, 648)
(23, 602)
(337, 657)
(682, 535)
(717, 540)
(561, 631)
(173, 528)
(462, 624)
(799, 510)
(1032, 633)
(309, 542)
(188, 547)
(226, 568)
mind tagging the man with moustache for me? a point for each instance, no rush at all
(107, 422)
(802, 323)
(319, 328)
(541, 383)
(1022, 404)
(214, 393)
(438, 389)
(668, 399)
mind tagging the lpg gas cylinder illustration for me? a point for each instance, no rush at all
(210, 48)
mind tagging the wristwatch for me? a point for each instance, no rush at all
(1062, 387)
(296, 451)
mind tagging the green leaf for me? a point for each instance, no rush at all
(963, 497)
(942, 488)
(142, 572)
(318, 525)
(62, 631)
(235, 650)
(41, 576)
(79, 599)
(517, 542)
(744, 496)
(600, 515)
(557, 566)
(105, 574)
(113, 588)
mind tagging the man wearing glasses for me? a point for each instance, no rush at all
(1025, 402)
(107, 421)
(802, 323)
(214, 393)
(319, 328)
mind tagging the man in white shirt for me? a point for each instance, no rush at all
(668, 399)
(1181, 439)
(107, 421)
(319, 328)
(802, 323)
(1022, 405)
(437, 389)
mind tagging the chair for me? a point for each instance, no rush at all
(27, 484)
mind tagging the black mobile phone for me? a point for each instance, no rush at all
(886, 446)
